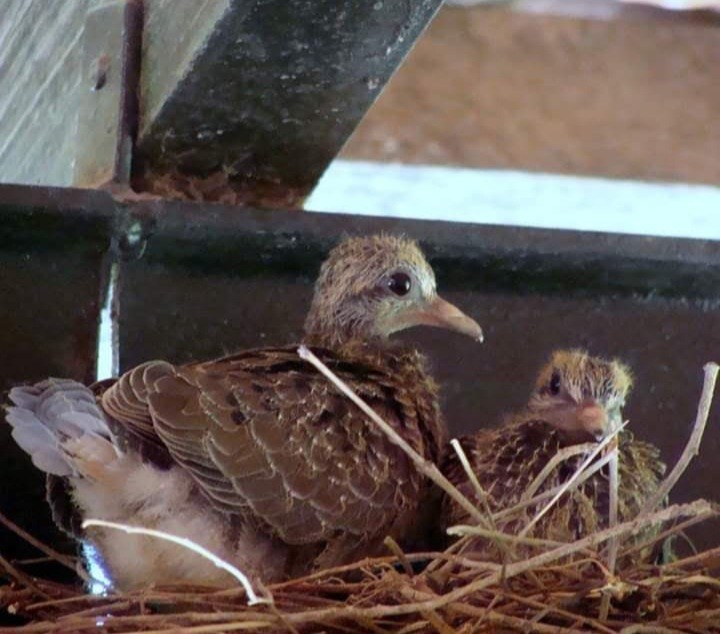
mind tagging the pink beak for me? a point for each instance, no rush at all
(443, 314)
(592, 419)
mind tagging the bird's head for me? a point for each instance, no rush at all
(371, 287)
(580, 395)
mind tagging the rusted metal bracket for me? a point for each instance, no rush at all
(108, 108)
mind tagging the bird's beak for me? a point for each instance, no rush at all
(593, 419)
(438, 312)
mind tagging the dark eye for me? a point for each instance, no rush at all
(555, 384)
(399, 283)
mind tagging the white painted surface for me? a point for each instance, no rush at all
(519, 198)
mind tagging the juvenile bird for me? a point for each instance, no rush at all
(577, 399)
(256, 456)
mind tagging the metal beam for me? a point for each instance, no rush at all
(53, 276)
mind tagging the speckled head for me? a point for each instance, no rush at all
(581, 395)
(371, 287)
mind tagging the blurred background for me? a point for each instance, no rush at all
(578, 114)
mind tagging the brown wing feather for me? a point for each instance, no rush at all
(267, 437)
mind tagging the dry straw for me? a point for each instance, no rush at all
(560, 588)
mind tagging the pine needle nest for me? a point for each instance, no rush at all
(559, 588)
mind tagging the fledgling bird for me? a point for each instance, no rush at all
(256, 456)
(578, 398)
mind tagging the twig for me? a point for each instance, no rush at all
(697, 508)
(479, 531)
(218, 628)
(65, 560)
(395, 549)
(545, 495)
(648, 543)
(562, 455)
(614, 542)
(693, 445)
(559, 611)
(426, 467)
(253, 598)
(566, 486)
(472, 477)
(482, 496)
(450, 554)
(649, 629)
(21, 577)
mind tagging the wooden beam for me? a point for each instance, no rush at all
(41, 59)
(66, 90)
(265, 91)
(108, 105)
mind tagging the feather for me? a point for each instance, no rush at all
(49, 413)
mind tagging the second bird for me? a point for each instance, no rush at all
(577, 398)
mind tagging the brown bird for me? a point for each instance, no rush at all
(578, 398)
(256, 456)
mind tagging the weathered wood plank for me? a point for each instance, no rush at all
(40, 74)
(108, 105)
(59, 127)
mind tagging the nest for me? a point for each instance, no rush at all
(554, 588)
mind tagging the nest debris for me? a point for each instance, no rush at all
(559, 588)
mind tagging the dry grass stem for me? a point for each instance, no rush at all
(253, 598)
(509, 512)
(567, 486)
(488, 521)
(68, 562)
(478, 531)
(562, 455)
(614, 542)
(426, 467)
(693, 445)
(472, 477)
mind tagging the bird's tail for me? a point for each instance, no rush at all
(52, 419)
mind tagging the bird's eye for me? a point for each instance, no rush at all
(555, 384)
(399, 283)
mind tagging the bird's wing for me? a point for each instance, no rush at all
(267, 437)
(641, 471)
(503, 461)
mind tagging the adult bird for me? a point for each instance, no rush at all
(256, 456)
(577, 399)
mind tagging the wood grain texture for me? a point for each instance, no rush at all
(41, 56)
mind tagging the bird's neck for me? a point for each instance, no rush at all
(391, 355)
(335, 339)
(320, 333)
(351, 347)
(539, 425)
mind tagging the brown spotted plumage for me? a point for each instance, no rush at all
(255, 455)
(577, 399)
